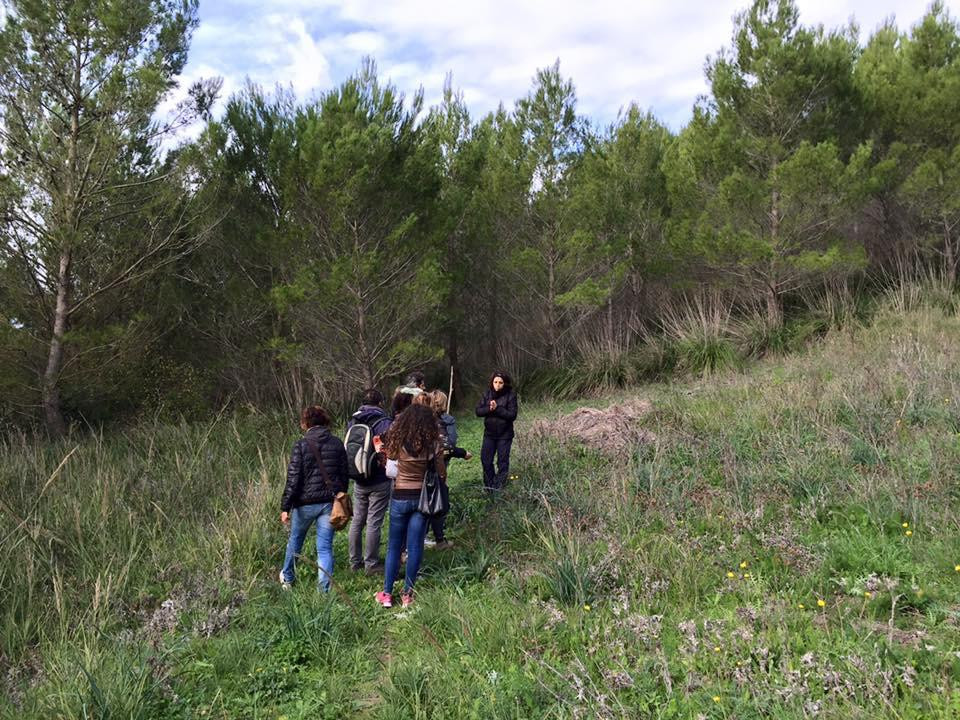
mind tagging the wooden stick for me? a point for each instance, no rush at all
(450, 394)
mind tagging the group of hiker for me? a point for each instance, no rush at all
(397, 460)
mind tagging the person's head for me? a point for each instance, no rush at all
(422, 399)
(414, 431)
(372, 396)
(312, 416)
(401, 401)
(500, 382)
(438, 402)
(417, 379)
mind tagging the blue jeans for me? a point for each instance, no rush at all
(408, 527)
(301, 518)
(495, 480)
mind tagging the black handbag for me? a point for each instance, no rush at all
(432, 498)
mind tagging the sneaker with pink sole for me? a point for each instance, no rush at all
(407, 599)
(384, 599)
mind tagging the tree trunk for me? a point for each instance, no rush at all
(366, 360)
(950, 255)
(52, 410)
(610, 332)
(552, 332)
(453, 355)
(774, 308)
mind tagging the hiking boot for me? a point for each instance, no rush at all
(375, 569)
(407, 598)
(357, 567)
(444, 545)
(383, 598)
(284, 583)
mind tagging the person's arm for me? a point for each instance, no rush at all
(381, 427)
(458, 452)
(508, 409)
(294, 480)
(483, 407)
(439, 464)
(452, 433)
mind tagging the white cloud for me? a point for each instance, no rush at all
(617, 53)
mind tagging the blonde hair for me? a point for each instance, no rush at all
(438, 401)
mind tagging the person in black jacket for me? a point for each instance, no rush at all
(498, 408)
(310, 490)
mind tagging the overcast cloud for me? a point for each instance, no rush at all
(651, 53)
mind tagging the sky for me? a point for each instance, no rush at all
(647, 52)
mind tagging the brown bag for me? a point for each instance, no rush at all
(342, 510)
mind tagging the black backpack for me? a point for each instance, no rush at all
(361, 454)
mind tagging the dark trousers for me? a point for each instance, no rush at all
(439, 522)
(499, 446)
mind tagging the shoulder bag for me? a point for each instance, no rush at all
(432, 500)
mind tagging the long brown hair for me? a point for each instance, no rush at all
(414, 431)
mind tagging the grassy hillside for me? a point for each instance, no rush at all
(788, 546)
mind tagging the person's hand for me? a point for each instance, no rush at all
(493, 405)
(468, 455)
(285, 517)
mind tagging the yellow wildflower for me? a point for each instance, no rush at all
(730, 574)
(746, 575)
(905, 525)
(587, 608)
(868, 594)
(801, 606)
(716, 698)
(743, 565)
(909, 533)
(956, 568)
(821, 603)
(716, 648)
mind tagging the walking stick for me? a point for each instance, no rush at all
(450, 394)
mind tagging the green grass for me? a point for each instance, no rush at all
(139, 578)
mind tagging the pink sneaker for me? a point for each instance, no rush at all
(407, 599)
(384, 599)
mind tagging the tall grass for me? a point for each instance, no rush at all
(700, 333)
(137, 573)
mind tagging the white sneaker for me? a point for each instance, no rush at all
(283, 582)
(429, 542)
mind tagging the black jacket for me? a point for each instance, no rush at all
(379, 423)
(499, 423)
(305, 483)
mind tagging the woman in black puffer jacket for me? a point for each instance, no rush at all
(498, 408)
(309, 493)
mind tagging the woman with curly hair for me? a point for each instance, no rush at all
(414, 442)
(447, 425)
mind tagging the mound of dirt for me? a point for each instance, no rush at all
(615, 430)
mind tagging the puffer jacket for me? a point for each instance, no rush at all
(499, 423)
(305, 483)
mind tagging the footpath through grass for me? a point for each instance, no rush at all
(788, 547)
